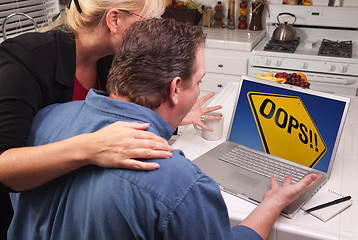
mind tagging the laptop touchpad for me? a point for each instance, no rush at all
(242, 180)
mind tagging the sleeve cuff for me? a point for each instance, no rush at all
(243, 232)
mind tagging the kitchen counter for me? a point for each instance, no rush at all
(227, 56)
(343, 179)
(237, 39)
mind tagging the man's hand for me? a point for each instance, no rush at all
(275, 200)
(194, 116)
(287, 193)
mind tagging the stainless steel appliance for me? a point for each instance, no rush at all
(284, 32)
(326, 48)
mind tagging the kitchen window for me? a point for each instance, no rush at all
(41, 11)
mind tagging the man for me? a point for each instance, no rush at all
(154, 78)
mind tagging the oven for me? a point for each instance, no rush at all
(325, 49)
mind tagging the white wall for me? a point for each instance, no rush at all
(350, 3)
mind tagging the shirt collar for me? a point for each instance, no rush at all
(100, 101)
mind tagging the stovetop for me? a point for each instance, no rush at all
(309, 45)
(327, 47)
(337, 73)
(335, 48)
(282, 46)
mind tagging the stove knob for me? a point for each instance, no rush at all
(278, 62)
(331, 67)
(267, 61)
(343, 69)
(304, 65)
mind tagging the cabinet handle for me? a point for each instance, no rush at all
(220, 85)
(220, 65)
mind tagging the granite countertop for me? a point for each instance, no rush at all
(236, 39)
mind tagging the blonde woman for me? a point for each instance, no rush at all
(61, 65)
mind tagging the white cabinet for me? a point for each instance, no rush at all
(226, 61)
(222, 67)
(227, 56)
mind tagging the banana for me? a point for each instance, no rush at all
(269, 76)
(275, 79)
(260, 75)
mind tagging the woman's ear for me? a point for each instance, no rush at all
(112, 20)
(175, 88)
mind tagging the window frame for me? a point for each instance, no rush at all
(41, 11)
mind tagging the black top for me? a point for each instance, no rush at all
(36, 70)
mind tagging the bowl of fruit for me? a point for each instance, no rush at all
(186, 12)
(296, 78)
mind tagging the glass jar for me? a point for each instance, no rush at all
(256, 19)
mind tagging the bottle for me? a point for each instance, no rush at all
(256, 19)
(218, 15)
(231, 15)
(207, 17)
(243, 15)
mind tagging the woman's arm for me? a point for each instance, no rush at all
(113, 146)
(23, 92)
(27, 86)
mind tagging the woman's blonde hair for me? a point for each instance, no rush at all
(93, 12)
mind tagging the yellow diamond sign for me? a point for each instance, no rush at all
(286, 128)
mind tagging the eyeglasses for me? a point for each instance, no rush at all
(77, 5)
(132, 13)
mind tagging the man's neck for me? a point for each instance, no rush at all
(119, 97)
(164, 111)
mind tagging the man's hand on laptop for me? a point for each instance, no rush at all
(283, 195)
(275, 200)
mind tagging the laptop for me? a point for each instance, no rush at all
(276, 127)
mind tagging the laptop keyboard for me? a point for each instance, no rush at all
(262, 165)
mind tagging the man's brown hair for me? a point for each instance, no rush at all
(153, 52)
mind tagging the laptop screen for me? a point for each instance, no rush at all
(295, 124)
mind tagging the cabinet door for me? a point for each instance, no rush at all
(213, 82)
(226, 62)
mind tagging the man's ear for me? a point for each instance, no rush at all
(175, 88)
(112, 20)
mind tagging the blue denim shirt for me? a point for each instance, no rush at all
(177, 201)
